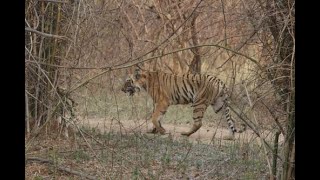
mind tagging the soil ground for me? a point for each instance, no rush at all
(205, 134)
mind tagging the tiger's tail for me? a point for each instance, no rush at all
(231, 122)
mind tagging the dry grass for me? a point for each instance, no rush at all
(142, 156)
(113, 145)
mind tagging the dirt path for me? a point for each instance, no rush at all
(205, 134)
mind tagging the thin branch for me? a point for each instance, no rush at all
(171, 35)
(238, 49)
(65, 67)
(46, 34)
(254, 130)
(135, 62)
(54, 1)
(274, 118)
(260, 138)
(44, 104)
(224, 23)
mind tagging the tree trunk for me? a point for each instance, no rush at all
(275, 155)
(195, 66)
(289, 146)
(27, 113)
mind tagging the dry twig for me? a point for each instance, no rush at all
(63, 169)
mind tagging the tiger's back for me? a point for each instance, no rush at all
(183, 89)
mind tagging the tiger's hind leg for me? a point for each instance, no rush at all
(157, 115)
(198, 112)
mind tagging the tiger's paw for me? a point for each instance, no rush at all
(161, 130)
(185, 134)
(152, 131)
(229, 138)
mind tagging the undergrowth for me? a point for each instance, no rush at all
(143, 156)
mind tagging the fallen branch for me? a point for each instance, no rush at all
(68, 170)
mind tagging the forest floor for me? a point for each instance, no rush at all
(205, 134)
(109, 149)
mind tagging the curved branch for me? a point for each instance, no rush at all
(134, 62)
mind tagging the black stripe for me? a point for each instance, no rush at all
(176, 89)
(199, 102)
(186, 95)
(171, 81)
(184, 99)
(190, 94)
(230, 119)
(197, 119)
(177, 85)
(177, 97)
(191, 84)
(184, 88)
(218, 91)
(172, 97)
(184, 84)
(223, 86)
(214, 78)
(199, 81)
(198, 109)
(175, 80)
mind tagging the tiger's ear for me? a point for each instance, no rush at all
(137, 73)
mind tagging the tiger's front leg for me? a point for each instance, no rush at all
(159, 111)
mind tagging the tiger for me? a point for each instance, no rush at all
(168, 89)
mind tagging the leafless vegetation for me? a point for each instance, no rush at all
(77, 53)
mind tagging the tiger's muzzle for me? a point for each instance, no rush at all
(130, 88)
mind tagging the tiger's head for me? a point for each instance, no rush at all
(135, 81)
